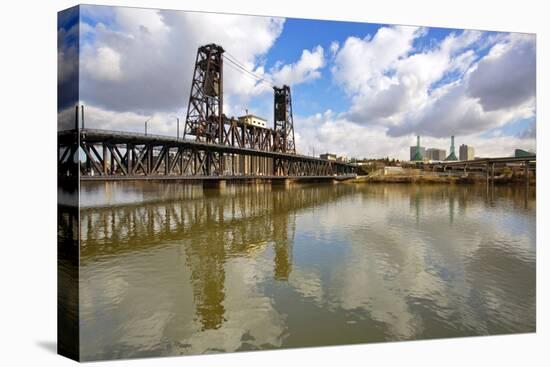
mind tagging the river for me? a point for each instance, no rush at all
(169, 269)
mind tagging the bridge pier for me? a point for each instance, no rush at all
(493, 174)
(280, 182)
(105, 167)
(214, 184)
(526, 174)
(130, 158)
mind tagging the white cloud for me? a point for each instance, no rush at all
(162, 123)
(67, 61)
(384, 90)
(361, 63)
(334, 47)
(506, 77)
(441, 91)
(104, 64)
(143, 60)
(67, 55)
(454, 113)
(328, 132)
(305, 69)
(66, 118)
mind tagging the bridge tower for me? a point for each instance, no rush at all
(283, 121)
(205, 109)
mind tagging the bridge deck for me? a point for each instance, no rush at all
(484, 161)
(121, 137)
(217, 178)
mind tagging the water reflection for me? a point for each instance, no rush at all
(67, 277)
(174, 269)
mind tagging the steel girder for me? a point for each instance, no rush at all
(155, 159)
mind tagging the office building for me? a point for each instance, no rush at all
(422, 151)
(417, 152)
(466, 153)
(434, 154)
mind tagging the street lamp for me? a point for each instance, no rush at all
(146, 121)
(178, 120)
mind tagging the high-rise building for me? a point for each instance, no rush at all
(466, 153)
(417, 152)
(413, 152)
(434, 154)
(452, 155)
(523, 153)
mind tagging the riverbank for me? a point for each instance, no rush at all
(425, 177)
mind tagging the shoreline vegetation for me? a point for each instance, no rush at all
(418, 176)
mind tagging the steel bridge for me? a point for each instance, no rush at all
(214, 147)
(113, 155)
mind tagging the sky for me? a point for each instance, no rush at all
(358, 89)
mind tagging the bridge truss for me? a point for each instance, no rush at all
(111, 154)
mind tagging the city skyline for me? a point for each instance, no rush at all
(375, 86)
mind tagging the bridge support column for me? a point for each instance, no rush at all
(130, 159)
(105, 152)
(112, 160)
(214, 184)
(167, 161)
(280, 182)
(526, 174)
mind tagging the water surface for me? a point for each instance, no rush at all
(170, 269)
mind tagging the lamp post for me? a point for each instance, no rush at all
(146, 121)
(178, 130)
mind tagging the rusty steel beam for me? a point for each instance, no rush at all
(134, 157)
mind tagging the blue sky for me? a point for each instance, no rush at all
(323, 93)
(358, 89)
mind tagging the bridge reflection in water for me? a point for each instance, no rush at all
(210, 225)
(169, 269)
